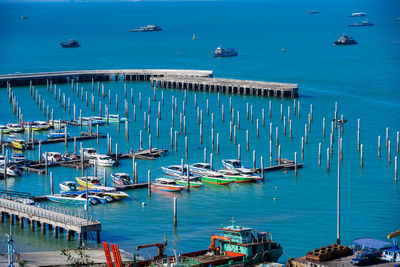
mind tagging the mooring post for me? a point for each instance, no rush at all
(302, 148)
(51, 183)
(222, 113)
(239, 152)
(379, 146)
(319, 154)
(361, 156)
(175, 211)
(395, 168)
(211, 161)
(234, 135)
(186, 147)
(66, 135)
(327, 159)
(40, 152)
(247, 139)
(295, 163)
(262, 168)
(141, 140)
(148, 181)
(270, 110)
(389, 155)
(46, 163)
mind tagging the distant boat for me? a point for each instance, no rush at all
(345, 40)
(194, 37)
(224, 52)
(361, 24)
(70, 43)
(148, 28)
(358, 14)
(310, 12)
(24, 17)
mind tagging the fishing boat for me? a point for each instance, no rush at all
(70, 43)
(200, 167)
(121, 179)
(147, 28)
(195, 182)
(166, 184)
(224, 52)
(72, 198)
(15, 127)
(361, 24)
(102, 160)
(19, 144)
(358, 14)
(89, 153)
(235, 164)
(53, 156)
(11, 170)
(238, 177)
(56, 135)
(216, 178)
(4, 129)
(345, 40)
(234, 246)
(68, 186)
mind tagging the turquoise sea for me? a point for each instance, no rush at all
(363, 79)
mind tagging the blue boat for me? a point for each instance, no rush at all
(70, 43)
(56, 134)
(392, 254)
(72, 198)
(224, 52)
(368, 250)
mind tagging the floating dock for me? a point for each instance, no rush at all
(229, 86)
(59, 77)
(55, 219)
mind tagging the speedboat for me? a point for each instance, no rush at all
(94, 120)
(194, 181)
(102, 160)
(11, 170)
(17, 159)
(100, 196)
(39, 126)
(53, 156)
(200, 167)
(115, 118)
(73, 198)
(89, 153)
(70, 43)
(224, 52)
(234, 164)
(15, 127)
(166, 184)
(345, 40)
(175, 170)
(4, 129)
(56, 134)
(111, 192)
(68, 186)
(361, 24)
(18, 144)
(121, 179)
(215, 178)
(358, 14)
(90, 180)
(148, 28)
(238, 177)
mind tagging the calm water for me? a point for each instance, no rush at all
(363, 79)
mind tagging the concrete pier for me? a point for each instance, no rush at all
(230, 86)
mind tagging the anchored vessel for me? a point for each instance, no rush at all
(148, 28)
(361, 24)
(224, 52)
(70, 43)
(345, 40)
(358, 14)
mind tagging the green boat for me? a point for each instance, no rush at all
(238, 177)
(215, 178)
(194, 181)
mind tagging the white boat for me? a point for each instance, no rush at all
(166, 184)
(53, 156)
(11, 170)
(200, 167)
(68, 186)
(72, 198)
(235, 164)
(89, 153)
(15, 127)
(17, 158)
(238, 177)
(358, 14)
(102, 160)
(56, 134)
(115, 118)
(224, 52)
(121, 179)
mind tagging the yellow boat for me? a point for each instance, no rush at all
(38, 126)
(4, 129)
(18, 144)
(90, 180)
(94, 183)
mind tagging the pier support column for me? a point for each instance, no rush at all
(85, 236)
(32, 225)
(80, 239)
(1, 216)
(21, 222)
(11, 219)
(69, 233)
(43, 230)
(98, 237)
(55, 232)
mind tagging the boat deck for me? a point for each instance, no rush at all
(343, 262)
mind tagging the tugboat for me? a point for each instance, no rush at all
(224, 52)
(345, 40)
(70, 43)
(360, 24)
(148, 28)
(239, 246)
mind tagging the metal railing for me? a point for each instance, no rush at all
(52, 213)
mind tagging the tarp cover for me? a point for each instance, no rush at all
(371, 243)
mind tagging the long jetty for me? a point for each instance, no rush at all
(231, 86)
(54, 218)
(25, 79)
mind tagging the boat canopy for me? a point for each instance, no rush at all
(371, 243)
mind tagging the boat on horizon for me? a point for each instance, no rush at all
(361, 24)
(70, 43)
(147, 28)
(224, 52)
(357, 14)
(345, 40)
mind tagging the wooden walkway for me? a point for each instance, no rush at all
(230, 86)
(55, 219)
(25, 79)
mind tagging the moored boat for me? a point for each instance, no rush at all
(4, 129)
(89, 153)
(15, 127)
(238, 177)
(175, 170)
(91, 181)
(215, 178)
(56, 134)
(166, 184)
(72, 198)
(200, 167)
(345, 40)
(19, 144)
(195, 182)
(53, 156)
(147, 28)
(235, 164)
(17, 158)
(68, 186)
(115, 118)
(224, 52)
(11, 170)
(102, 160)
(121, 179)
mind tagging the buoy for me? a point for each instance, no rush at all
(285, 172)
(276, 187)
(283, 50)
(274, 198)
(143, 204)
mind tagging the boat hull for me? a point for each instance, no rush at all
(192, 184)
(166, 188)
(241, 179)
(216, 181)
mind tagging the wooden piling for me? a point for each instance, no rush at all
(176, 141)
(218, 143)
(328, 165)
(239, 152)
(389, 155)
(262, 168)
(186, 147)
(295, 163)
(302, 148)
(51, 183)
(361, 156)
(175, 211)
(148, 182)
(205, 155)
(358, 134)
